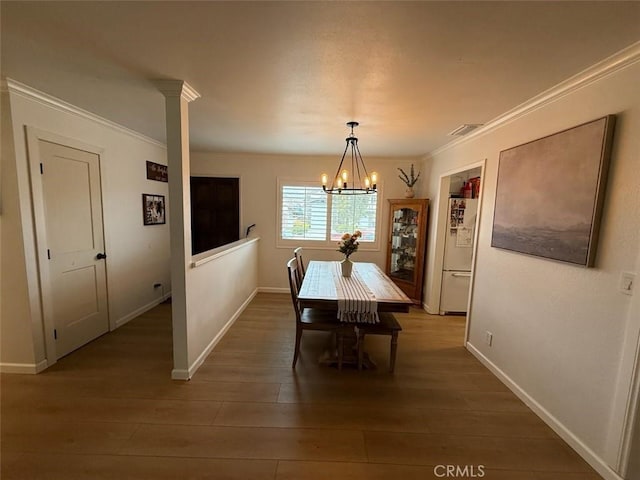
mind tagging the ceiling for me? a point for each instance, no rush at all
(285, 77)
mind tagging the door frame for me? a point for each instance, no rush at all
(626, 410)
(440, 235)
(34, 136)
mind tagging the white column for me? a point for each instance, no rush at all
(178, 94)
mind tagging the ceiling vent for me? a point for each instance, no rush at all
(464, 129)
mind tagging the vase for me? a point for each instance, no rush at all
(409, 193)
(347, 266)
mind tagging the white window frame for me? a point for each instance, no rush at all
(327, 244)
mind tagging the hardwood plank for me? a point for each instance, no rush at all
(485, 423)
(288, 470)
(118, 410)
(379, 396)
(296, 470)
(21, 466)
(542, 454)
(236, 442)
(29, 434)
(352, 417)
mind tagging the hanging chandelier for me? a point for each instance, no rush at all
(356, 182)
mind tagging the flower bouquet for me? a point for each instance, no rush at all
(347, 245)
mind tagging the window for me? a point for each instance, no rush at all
(353, 212)
(304, 213)
(307, 214)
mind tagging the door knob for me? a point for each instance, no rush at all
(101, 256)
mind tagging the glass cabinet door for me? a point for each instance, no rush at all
(404, 243)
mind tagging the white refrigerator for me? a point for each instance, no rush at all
(458, 252)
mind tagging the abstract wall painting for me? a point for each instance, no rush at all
(550, 194)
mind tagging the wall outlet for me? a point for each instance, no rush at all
(157, 285)
(627, 281)
(488, 337)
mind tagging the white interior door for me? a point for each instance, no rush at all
(75, 244)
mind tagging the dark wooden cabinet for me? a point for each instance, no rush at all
(215, 212)
(407, 244)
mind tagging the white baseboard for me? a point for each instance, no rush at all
(273, 290)
(429, 310)
(145, 308)
(598, 464)
(180, 374)
(177, 374)
(25, 368)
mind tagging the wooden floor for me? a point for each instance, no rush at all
(110, 410)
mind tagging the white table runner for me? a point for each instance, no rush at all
(356, 302)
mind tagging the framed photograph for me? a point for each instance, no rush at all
(550, 193)
(157, 172)
(153, 209)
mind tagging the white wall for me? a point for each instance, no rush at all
(628, 415)
(217, 292)
(138, 256)
(633, 471)
(16, 345)
(258, 184)
(558, 330)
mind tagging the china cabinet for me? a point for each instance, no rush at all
(407, 245)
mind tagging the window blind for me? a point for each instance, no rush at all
(304, 213)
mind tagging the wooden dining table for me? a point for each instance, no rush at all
(319, 289)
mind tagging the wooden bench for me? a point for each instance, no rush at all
(388, 326)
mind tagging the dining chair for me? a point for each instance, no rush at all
(297, 253)
(312, 318)
(388, 325)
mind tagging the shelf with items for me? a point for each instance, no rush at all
(407, 244)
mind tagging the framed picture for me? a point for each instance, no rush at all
(157, 172)
(153, 209)
(550, 193)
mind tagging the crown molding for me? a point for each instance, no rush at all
(618, 61)
(26, 91)
(177, 88)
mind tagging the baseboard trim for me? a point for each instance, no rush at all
(273, 290)
(23, 368)
(428, 309)
(180, 374)
(598, 464)
(141, 310)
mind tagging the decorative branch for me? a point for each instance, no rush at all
(409, 180)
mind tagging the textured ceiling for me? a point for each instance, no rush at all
(285, 77)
